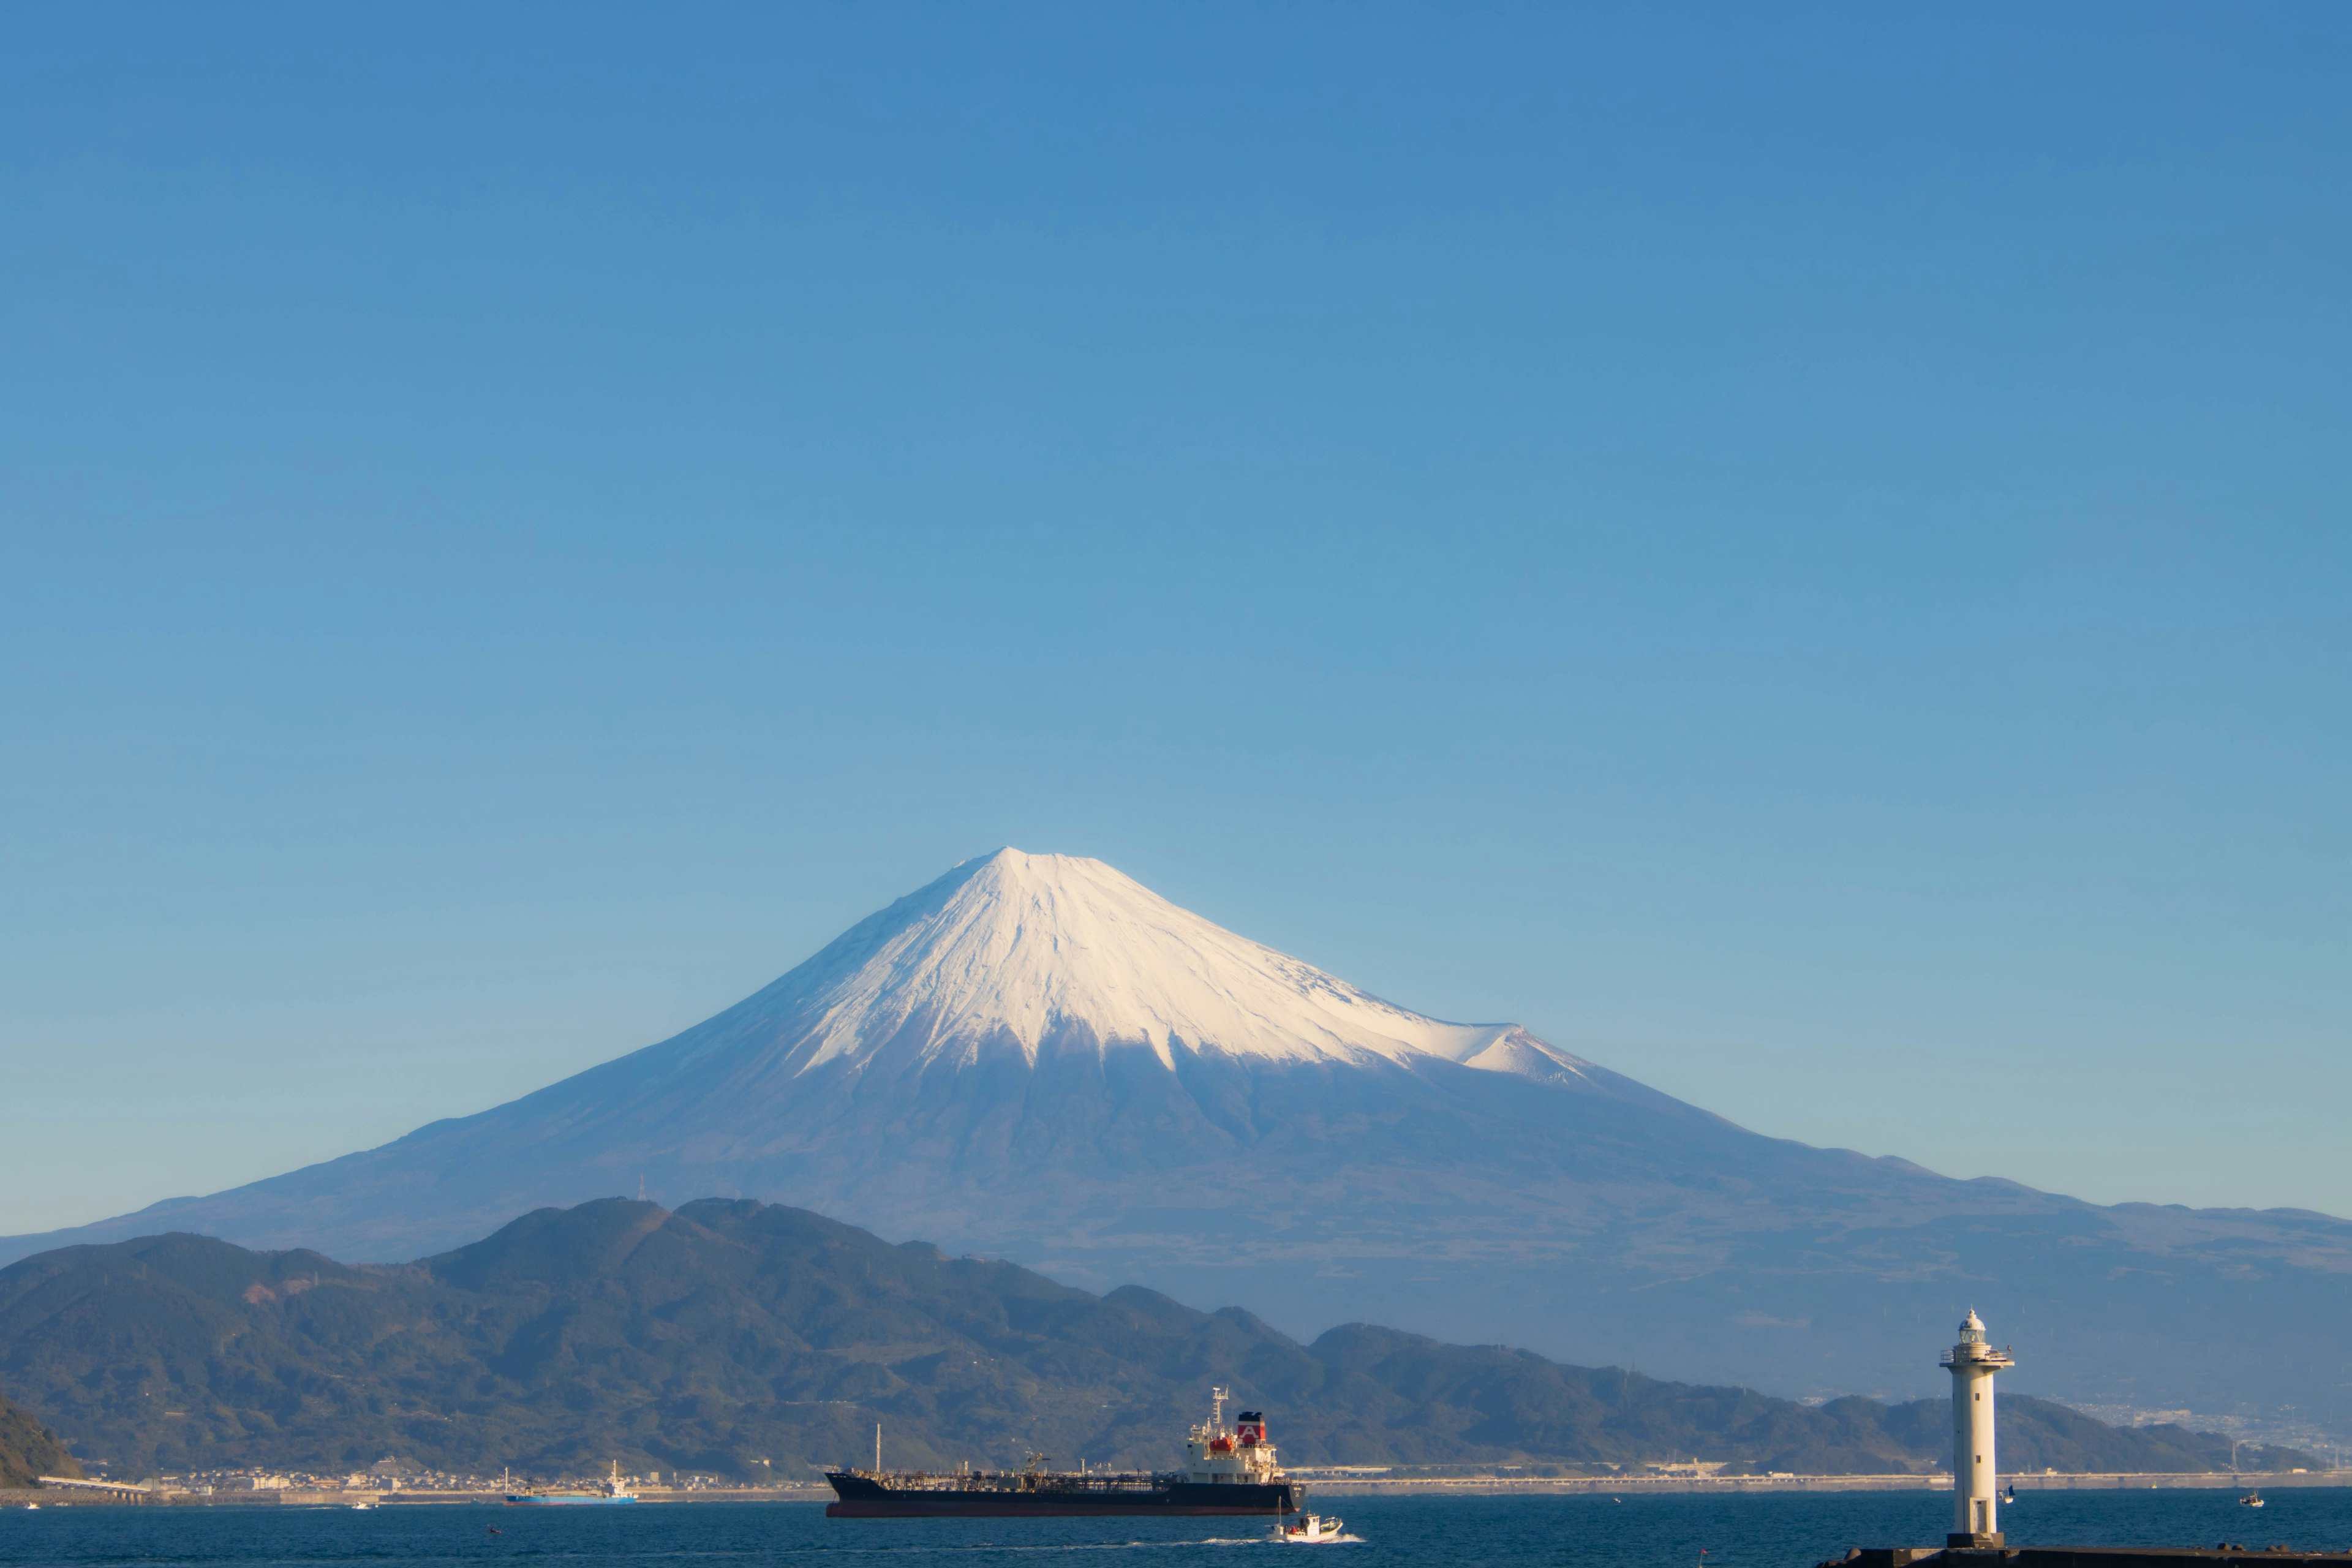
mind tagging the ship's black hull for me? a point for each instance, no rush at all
(1052, 1496)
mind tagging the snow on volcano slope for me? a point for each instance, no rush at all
(1023, 1034)
(1016, 948)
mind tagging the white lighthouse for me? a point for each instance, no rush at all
(1976, 1518)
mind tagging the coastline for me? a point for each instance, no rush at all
(1321, 1487)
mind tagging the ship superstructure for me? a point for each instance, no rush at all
(1244, 1456)
(1225, 1472)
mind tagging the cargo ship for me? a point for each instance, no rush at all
(1224, 1473)
(614, 1489)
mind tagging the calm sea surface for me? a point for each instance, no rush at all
(1787, 1531)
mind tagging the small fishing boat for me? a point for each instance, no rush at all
(1312, 1529)
(2252, 1500)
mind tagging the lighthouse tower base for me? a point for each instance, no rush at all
(2088, 1557)
(1989, 1543)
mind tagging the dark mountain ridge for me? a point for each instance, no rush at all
(731, 1332)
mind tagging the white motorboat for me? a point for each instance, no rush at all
(1310, 1528)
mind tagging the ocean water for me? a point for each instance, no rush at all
(1793, 1530)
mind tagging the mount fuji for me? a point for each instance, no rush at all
(1036, 1057)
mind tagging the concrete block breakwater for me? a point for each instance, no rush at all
(1624, 1486)
(2088, 1557)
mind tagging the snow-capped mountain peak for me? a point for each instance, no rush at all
(1013, 947)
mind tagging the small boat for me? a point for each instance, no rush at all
(1308, 1530)
(2252, 1499)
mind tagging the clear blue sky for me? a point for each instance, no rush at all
(1801, 553)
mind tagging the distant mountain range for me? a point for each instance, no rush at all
(730, 1333)
(1034, 1057)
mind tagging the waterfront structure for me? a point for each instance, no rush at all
(1976, 1539)
(1976, 1503)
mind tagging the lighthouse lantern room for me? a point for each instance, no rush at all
(1976, 1519)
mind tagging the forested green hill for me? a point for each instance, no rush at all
(727, 1333)
(28, 1449)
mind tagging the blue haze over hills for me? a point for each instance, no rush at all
(1036, 1057)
